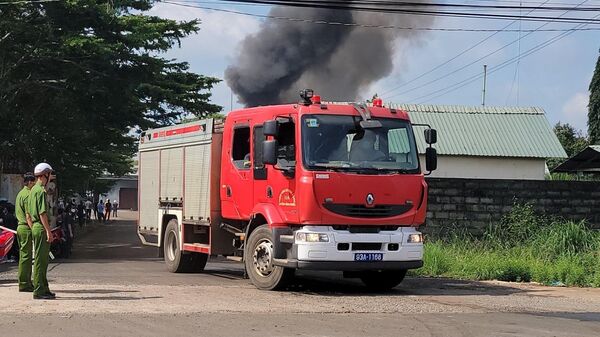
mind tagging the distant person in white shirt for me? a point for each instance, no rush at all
(115, 206)
(88, 209)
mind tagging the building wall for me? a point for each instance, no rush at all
(488, 167)
(473, 204)
(113, 194)
(10, 185)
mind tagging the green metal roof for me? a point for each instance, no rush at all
(486, 131)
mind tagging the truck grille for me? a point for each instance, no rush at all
(362, 211)
(366, 246)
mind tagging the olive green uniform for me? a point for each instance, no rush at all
(25, 239)
(37, 205)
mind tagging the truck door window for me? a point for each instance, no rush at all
(240, 153)
(286, 150)
(260, 171)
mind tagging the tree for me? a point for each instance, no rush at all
(594, 107)
(79, 77)
(572, 140)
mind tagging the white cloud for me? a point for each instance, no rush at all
(575, 110)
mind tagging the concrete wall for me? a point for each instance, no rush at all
(489, 167)
(475, 203)
(10, 185)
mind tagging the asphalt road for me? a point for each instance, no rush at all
(112, 286)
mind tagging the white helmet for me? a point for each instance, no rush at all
(41, 169)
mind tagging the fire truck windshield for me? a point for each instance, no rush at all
(339, 143)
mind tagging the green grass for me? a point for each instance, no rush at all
(523, 247)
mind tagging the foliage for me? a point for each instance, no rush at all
(571, 139)
(594, 106)
(78, 77)
(523, 247)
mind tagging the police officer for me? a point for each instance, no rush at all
(24, 235)
(42, 236)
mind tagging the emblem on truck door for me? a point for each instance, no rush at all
(370, 199)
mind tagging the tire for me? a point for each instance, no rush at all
(382, 280)
(258, 260)
(176, 261)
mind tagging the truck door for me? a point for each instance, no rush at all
(236, 189)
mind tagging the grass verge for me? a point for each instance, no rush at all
(523, 247)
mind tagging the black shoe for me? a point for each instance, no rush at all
(44, 297)
(29, 290)
(51, 293)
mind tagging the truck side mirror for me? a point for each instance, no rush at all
(271, 128)
(430, 159)
(430, 136)
(269, 151)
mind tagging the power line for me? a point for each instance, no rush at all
(504, 29)
(479, 59)
(346, 6)
(183, 3)
(26, 2)
(494, 69)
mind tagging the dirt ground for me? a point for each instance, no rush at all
(115, 287)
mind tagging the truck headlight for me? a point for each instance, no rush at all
(311, 237)
(415, 238)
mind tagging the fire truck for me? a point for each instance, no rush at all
(312, 185)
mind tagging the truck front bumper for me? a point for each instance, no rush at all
(392, 249)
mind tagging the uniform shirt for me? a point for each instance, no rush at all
(37, 204)
(21, 205)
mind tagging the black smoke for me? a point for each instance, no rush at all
(284, 57)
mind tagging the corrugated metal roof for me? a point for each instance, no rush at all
(487, 131)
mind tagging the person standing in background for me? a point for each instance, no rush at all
(88, 209)
(107, 210)
(38, 209)
(100, 208)
(24, 235)
(115, 206)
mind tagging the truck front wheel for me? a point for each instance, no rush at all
(381, 280)
(176, 261)
(258, 260)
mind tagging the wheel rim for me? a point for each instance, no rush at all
(171, 246)
(263, 257)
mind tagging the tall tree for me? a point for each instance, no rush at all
(77, 76)
(594, 107)
(571, 139)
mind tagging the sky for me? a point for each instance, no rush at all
(555, 78)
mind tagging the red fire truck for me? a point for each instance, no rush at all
(301, 186)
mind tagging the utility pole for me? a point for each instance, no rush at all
(230, 99)
(484, 84)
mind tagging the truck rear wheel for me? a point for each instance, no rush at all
(381, 280)
(258, 260)
(176, 261)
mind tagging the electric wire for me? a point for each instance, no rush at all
(504, 29)
(473, 62)
(189, 4)
(465, 82)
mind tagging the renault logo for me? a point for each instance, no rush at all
(370, 199)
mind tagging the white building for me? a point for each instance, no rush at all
(124, 190)
(487, 142)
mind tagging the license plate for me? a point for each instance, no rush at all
(368, 257)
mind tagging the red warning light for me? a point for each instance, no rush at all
(378, 102)
(316, 99)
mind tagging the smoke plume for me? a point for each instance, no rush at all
(284, 57)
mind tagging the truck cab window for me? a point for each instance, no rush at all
(240, 153)
(286, 151)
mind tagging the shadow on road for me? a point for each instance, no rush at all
(580, 316)
(330, 284)
(107, 298)
(96, 291)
